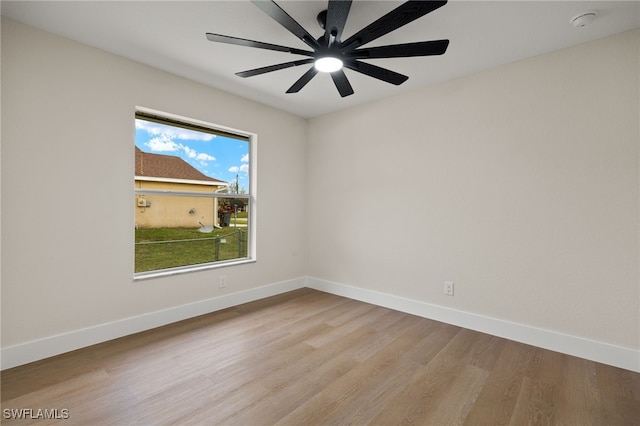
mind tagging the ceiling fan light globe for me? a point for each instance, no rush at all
(328, 64)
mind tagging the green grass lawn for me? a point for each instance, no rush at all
(172, 247)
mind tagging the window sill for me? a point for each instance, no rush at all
(188, 269)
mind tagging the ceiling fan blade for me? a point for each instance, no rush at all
(402, 15)
(252, 43)
(377, 72)
(342, 84)
(302, 81)
(337, 13)
(423, 48)
(272, 9)
(264, 70)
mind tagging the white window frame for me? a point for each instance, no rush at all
(251, 197)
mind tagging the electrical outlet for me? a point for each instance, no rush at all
(448, 288)
(222, 283)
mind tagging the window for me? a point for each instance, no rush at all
(194, 200)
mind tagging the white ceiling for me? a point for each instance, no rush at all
(170, 35)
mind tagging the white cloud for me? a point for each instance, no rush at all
(158, 129)
(167, 139)
(205, 157)
(243, 168)
(163, 143)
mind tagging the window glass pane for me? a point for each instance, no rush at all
(162, 246)
(192, 195)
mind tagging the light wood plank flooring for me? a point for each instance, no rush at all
(311, 358)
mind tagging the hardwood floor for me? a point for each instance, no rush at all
(306, 358)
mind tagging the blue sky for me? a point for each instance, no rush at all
(216, 156)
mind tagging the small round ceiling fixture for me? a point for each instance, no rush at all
(583, 19)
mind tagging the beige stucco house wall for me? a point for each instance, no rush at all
(155, 172)
(171, 211)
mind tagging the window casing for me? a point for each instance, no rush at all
(187, 221)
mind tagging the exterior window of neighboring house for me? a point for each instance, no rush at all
(194, 198)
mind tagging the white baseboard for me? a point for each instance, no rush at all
(35, 350)
(605, 353)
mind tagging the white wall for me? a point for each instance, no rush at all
(520, 184)
(67, 187)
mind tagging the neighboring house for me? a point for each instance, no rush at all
(169, 173)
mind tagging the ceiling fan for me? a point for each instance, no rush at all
(330, 54)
